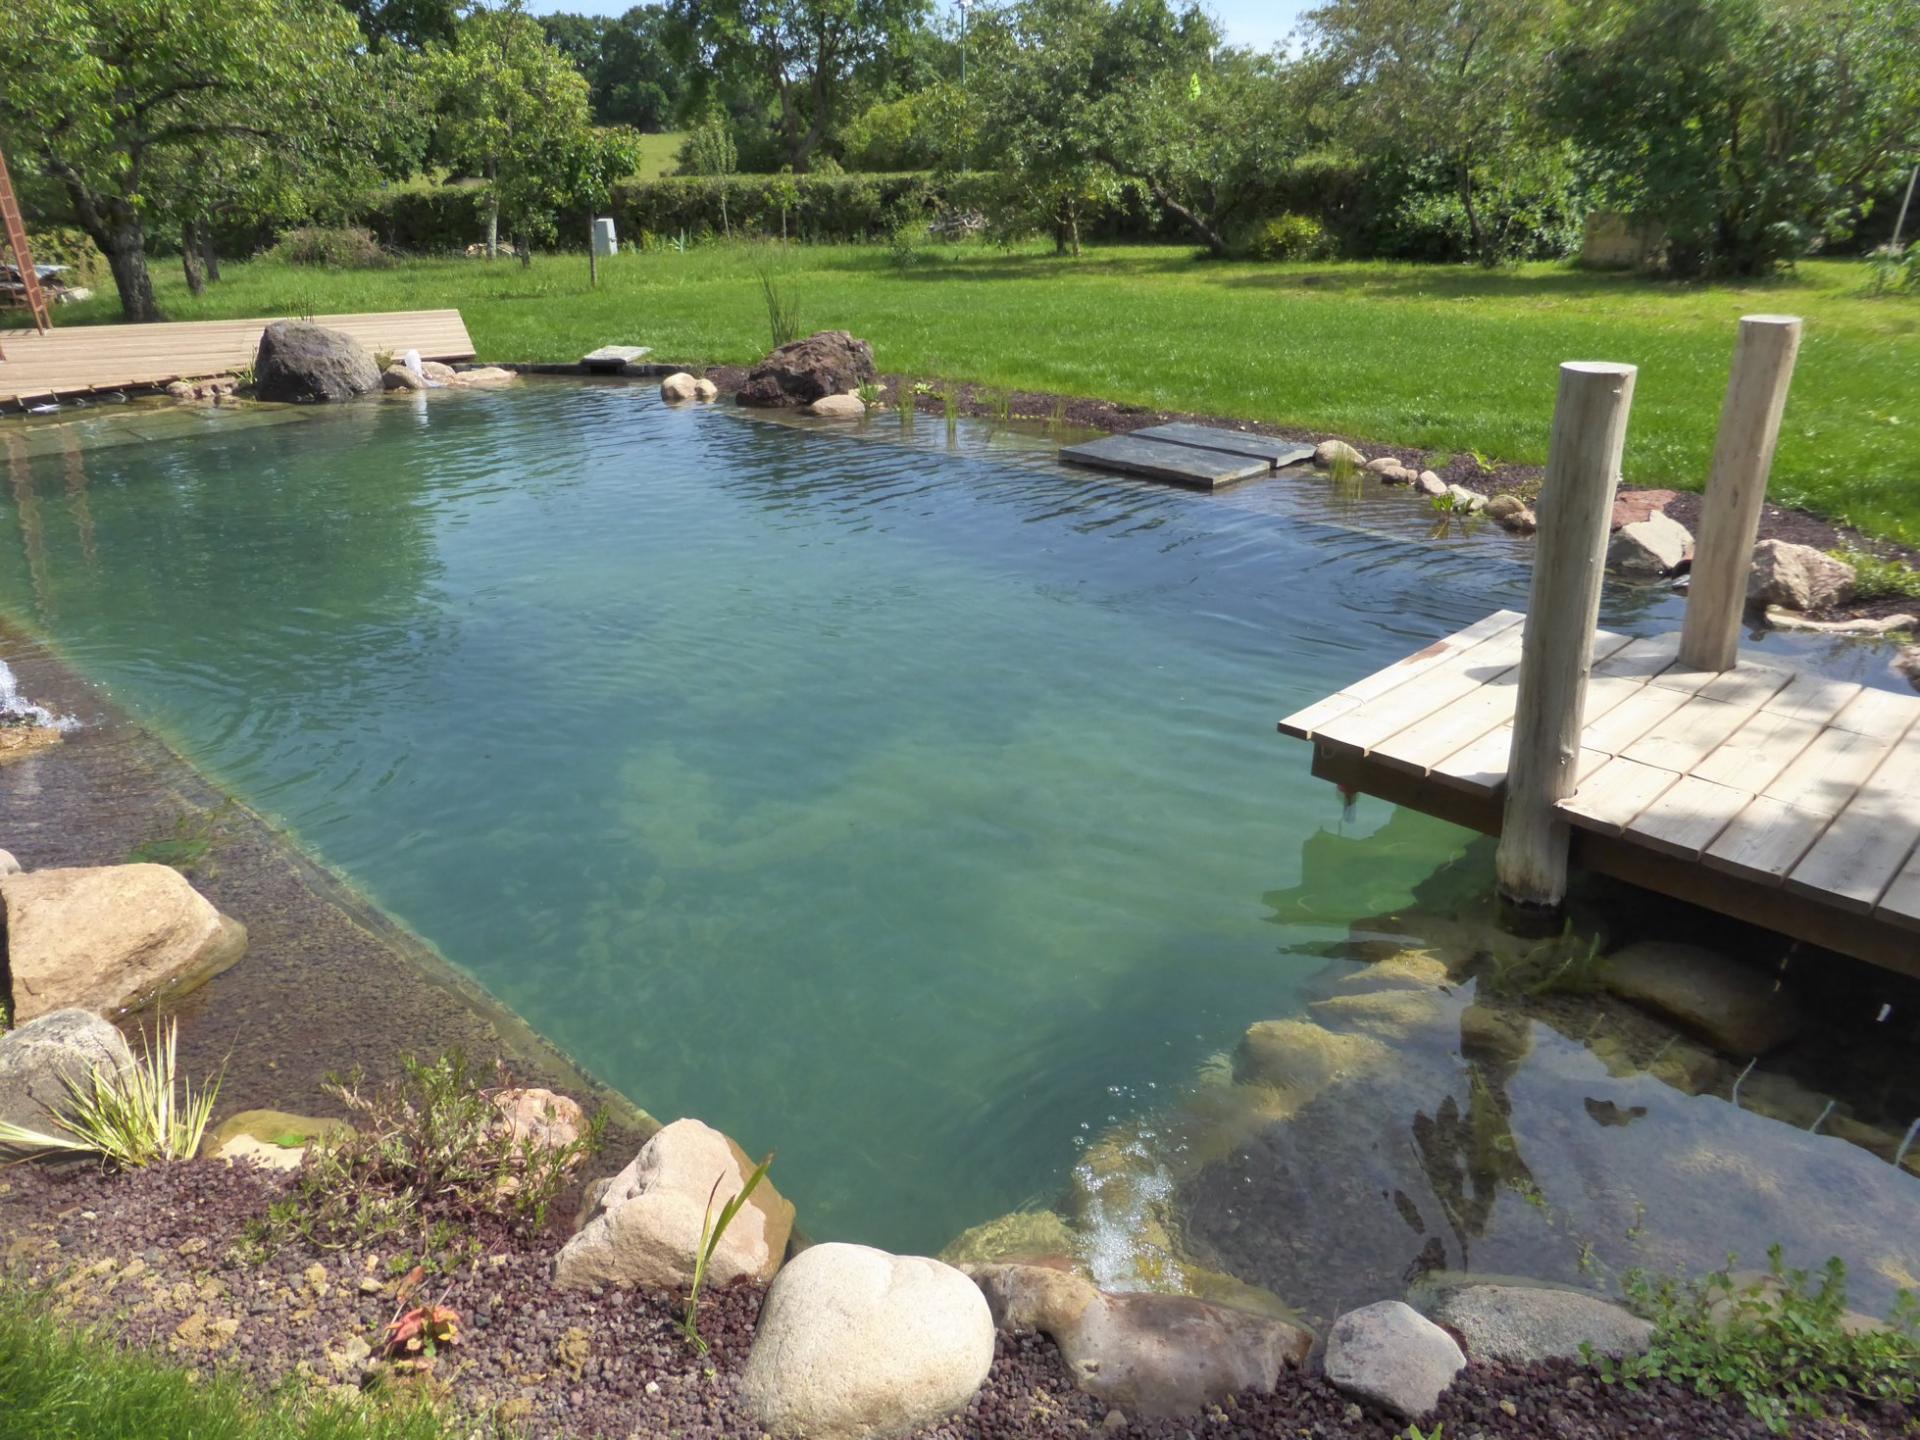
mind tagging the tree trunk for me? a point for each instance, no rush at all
(1210, 236)
(1477, 238)
(209, 257)
(524, 250)
(126, 248)
(190, 260)
(593, 253)
(493, 216)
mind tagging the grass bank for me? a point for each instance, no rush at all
(1442, 357)
(59, 1383)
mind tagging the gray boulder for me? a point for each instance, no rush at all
(855, 1343)
(1798, 577)
(830, 363)
(304, 364)
(1521, 1324)
(1649, 548)
(40, 1058)
(1392, 1356)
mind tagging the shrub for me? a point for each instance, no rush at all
(1876, 578)
(143, 1115)
(1783, 1346)
(1289, 237)
(338, 247)
(430, 1157)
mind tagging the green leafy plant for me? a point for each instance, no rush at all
(1290, 237)
(1783, 1345)
(336, 247)
(1414, 1432)
(430, 1155)
(872, 396)
(1893, 268)
(712, 1228)
(143, 1115)
(188, 846)
(1878, 578)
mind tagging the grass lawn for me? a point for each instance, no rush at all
(1447, 358)
(659, 154)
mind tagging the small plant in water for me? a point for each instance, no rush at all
(190, 844)
(872, 396)
(712, 1228)
(1784, 1345)
(143, 1115)
(783, 311)
(1561, 966)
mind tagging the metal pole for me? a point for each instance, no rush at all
(1899, 226)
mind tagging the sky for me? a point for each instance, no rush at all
(1258, 23)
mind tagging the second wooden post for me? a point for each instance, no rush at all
(1570, 556)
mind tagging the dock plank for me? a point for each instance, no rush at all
(1159, 460)
(1689, 816)
(1693, 732)
(1615, 793)
(1759, 750)
(1277, 453)
(1901, 903)
(1869, 841)
(1302, 723)
(1766, 839)
(1456, 676)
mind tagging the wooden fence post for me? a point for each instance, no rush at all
(1569, 563)
(1736, 489)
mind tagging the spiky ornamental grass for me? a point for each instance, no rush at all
(143, 1115)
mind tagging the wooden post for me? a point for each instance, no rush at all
(1569, 563)
(1736, 488)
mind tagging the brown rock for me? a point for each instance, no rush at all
(541, 1116)
(1734, 1007)
(304, 363)
(681, 386)
(1428, 483)
(1385, 464)
(830, 363)
(1632, 506)
(1798, 577)
(839, 407)
(19, 741)
(1649, 548)
(111, 939)
(1329, 451)
(482, 377)
(649, 1219)
(399, 377)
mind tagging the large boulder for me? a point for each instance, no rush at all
(305, 363)
(1392, 1356)
(854, 1342)
(1736, 1008)
(1148, 1354)
(111, 939)
(1798, 577)
(830, 363)
(1650, 548)
(647, 1225)
(1524, 1324)
(42, 1058)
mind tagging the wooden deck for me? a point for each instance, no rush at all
(1785, 798)
(86, 358)
(1200, 457)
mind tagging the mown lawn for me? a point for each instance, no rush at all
(1447, 358)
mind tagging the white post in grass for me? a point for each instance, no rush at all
(1569, 563)
(1736, 489)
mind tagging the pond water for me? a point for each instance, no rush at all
(906, 803)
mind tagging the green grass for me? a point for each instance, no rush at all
(659, 154)
(1446, 358)
(59, 1383)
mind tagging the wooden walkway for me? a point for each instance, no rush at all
(1784, 798)
(85, 358)
(1200, 457)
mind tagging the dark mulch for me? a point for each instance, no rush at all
(149, 1253)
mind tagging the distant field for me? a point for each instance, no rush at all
(659, 154)
(1448, 358)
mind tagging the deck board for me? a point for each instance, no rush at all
(1186, 465)
(1276, 453)
(84, 358)
(1790, 791)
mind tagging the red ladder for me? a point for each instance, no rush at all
(22, 256)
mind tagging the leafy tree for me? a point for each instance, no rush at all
(627, 62)
(113, 99)
(802, 53)
(1451, 86)
(409, 24)
(710, 151)
(1747, 128)
(513, 110)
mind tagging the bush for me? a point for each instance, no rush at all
(338, 247)
(1289, 237)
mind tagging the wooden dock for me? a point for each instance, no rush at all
(82, 359)
(1200, 457)
(1785, 798)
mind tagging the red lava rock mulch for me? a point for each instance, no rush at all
(150, 1254)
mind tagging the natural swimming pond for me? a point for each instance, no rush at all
(916, 811)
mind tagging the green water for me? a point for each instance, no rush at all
(913, 812)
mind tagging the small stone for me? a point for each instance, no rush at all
(1390, 1355)
(1114, 1422)
(681, 386)
(1428, 483)
(653, 1387)
(1385, 463)
(399, 377)
(1798, 577)
(1398, 475)
(1499, 1036)
(369, 1285)
(1472, 501)
(838, 407)
(195, 1246)
(1649, 548)
(1328, 452)
(315, 1276)
(1517, 1325)
(1632, 506)
(1509, 1409)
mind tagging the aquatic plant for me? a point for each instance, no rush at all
(1784, 1345)
(145, 1114)
(429, 1156)
(189, 844)
(871, 396)
(712, 1228)
(1561, 966)
(783, 311)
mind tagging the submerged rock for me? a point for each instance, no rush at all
(398, 377)
(1742, 1011)
(1331, 452)
(111, 939)
(799, 373)
(42, 1059)
(1023, 1235)
(305, 363)
(839, 407)
(856, 1343)
(1304, 1058)
(1390, 1355)
(647, 1226)
(1525, 1324)
(1798, 577)
(681, 387)
(276, 1139)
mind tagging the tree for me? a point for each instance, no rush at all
(627, 62)
(1446, 84)
(802, 52)
(513, 110)
(1748, 129)
(111, 98)
(409, 24)
(710, 151)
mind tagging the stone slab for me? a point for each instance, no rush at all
(1159, 460)
(1231, 442)
(612, 357)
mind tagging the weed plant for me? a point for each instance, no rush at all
(712, 1229)
(146, 1114)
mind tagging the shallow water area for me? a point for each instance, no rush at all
(897, 799)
